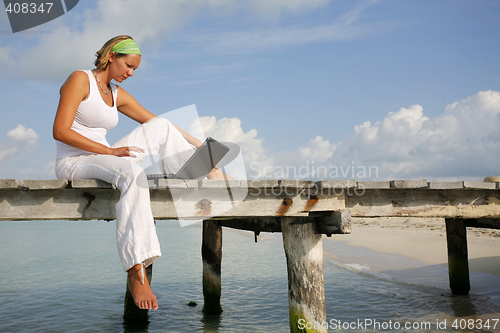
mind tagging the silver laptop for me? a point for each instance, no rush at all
(203, 160)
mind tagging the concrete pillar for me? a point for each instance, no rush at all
(306, 290)
(458, 261)
(211, 253)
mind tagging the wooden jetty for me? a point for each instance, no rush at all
(302, 211)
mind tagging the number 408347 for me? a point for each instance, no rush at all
(28, 8)
(475, 324)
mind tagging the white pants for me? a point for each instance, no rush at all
(135, 229)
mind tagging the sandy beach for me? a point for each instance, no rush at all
(414, 251)
(423, 240)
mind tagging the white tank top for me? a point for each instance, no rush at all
(93, 119)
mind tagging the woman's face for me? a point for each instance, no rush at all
(121, 68)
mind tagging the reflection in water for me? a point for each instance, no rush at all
(211, 322)
(135, 326)
(462, 306)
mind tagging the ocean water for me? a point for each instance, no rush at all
(60, 276)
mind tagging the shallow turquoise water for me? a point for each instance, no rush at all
(59, 276)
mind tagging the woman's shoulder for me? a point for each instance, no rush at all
(77, 79)
(79, 75)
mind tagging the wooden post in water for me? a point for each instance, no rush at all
(458, 261)
(306, 290)
(131, 311)
(211, 254)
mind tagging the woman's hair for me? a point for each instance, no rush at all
(103, 54)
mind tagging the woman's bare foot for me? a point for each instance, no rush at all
(141, 290)
(216, 174)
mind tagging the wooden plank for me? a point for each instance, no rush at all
(90, 183)
(177, 183)
(334, 222)
(259, 184)
(373, 185)
(466, 203)
(67, 204)
(298, 184)
(445, 185)
(408, 184)
(335, 184)
(52, 184)
(89, 199)
(257, 224)
(481, 185)
(219, 183)
(490, 223)
(11, 184)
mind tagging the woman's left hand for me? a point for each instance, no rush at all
(126, 151)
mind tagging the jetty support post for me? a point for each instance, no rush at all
(211, 253)
(306, 290)
(458, 261)
(131, 312)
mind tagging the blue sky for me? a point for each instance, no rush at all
(409, 87)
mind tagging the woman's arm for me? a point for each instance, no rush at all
(131, 108)
(73, 92)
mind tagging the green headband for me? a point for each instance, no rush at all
(127, 46)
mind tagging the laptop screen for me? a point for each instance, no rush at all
(203, 160)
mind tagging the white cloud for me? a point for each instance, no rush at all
(261, 162)
(21, 133)
(461, 144)
(75, 37)
(229, 130)
(22, 140)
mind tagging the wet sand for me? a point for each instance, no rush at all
(423, 240)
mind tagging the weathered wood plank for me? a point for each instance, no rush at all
(52, 184)
(177, 183)
(335, 184)
(219, 183)
(11, 184)
(373, 185)
(90, 183)
(445, 185)
(408, 184)
(67, 204)
(89, 199)
(299, 184)
(256, 224)
(259, 184)
(465, 203)
(491, 223)
(481, 185)
(335, 222)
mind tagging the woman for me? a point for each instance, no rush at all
(88, 108)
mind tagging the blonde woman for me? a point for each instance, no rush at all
(88, 107)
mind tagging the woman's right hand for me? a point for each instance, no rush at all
(126, 151)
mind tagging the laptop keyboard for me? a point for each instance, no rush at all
(160, 176)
